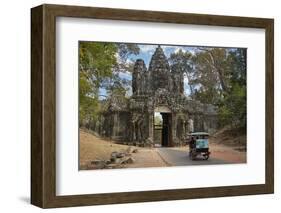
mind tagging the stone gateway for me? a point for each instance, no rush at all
(156, 89)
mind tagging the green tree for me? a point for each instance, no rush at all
(96, 61)
(181, 62)
(233, 108)
(217, 76)
(158, 120)
(211, 74)
(99, 66)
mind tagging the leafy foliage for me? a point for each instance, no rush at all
(181, 62)
(96, 61)
(235, 101)
(158, 120)
(99, 66)
(216, 76)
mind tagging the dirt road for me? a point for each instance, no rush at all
(93, 148)
(178, 156)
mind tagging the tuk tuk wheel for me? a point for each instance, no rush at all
(193, 155)
(206, 157)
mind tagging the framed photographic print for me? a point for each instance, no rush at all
(136, 106)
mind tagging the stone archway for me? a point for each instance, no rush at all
(166, 128)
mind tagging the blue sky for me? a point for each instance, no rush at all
(146, 52)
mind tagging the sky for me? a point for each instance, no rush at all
(145, 53)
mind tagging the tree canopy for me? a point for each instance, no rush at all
(99, 66)
(216, 76)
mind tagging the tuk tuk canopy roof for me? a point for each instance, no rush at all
(199, 134)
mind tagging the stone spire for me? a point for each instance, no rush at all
(139, 75)
(159, 60)
(159, 69)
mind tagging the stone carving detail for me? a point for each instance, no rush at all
(139, 77)
(160, 70)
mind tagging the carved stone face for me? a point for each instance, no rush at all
(159, 67)
(139, 65)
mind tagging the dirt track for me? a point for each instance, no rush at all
(178, 156)
(93, 148)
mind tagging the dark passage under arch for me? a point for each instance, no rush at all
(166, 139)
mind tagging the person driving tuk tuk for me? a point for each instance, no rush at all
(192, 142)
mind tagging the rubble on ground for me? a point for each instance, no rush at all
(117, 160)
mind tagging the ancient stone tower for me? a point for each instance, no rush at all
(157, 89)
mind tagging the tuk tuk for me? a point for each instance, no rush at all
(199, 145)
